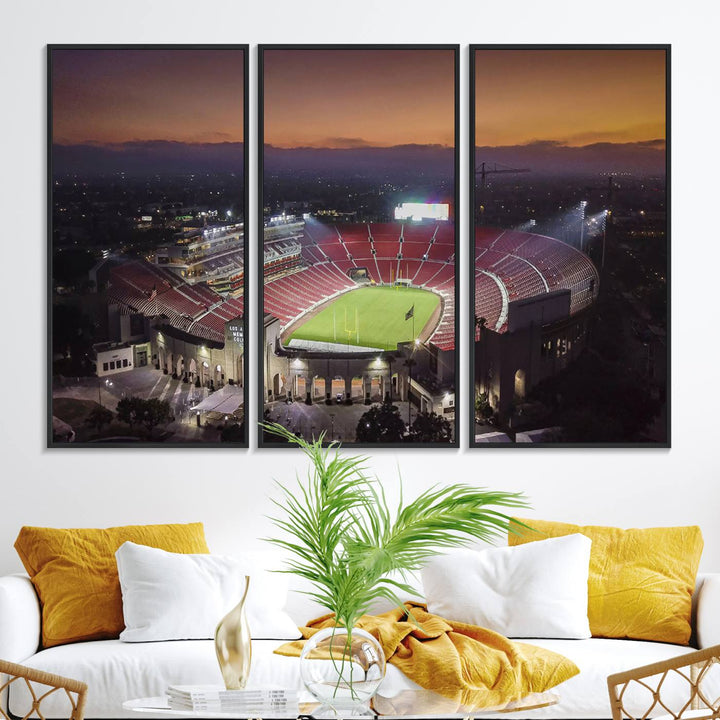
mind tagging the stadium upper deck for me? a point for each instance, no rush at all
(149, 289)
(513, 265)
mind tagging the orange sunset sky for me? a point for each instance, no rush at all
(354, 98)
(576, 97)
(351, 98)
(113, 96)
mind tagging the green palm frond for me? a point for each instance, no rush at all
(347, 542)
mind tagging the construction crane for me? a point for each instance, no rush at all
(496, 169)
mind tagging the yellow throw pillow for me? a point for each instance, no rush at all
(641, 580)
(76, 578)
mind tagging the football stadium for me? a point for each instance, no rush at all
(347, 304)
(339, 280)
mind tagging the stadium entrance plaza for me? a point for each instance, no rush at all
(339, 422)
(146, 382)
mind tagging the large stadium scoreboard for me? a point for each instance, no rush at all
(418, 212)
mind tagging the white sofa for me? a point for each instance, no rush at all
(116, 671)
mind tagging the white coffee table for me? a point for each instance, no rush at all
(406, 705)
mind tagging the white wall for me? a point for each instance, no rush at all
(228, 489)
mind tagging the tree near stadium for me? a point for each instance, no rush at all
(98, 417)
(149, 413)
(130, 410)
(156, 412)
(380, 424)
(430, 428)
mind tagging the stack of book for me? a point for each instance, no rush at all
(257, 701)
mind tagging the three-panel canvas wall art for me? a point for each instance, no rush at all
(360, 235)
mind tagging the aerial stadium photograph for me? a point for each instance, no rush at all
(358, 179)
(570, 325)
(147, 204)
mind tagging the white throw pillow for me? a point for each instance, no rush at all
(176, 596)
(536, 590)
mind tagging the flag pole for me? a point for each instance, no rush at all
(412, 352)
(408, 315)
(410, 362)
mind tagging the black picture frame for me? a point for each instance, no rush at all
(260, 338)
(472, 170)
(53, 442)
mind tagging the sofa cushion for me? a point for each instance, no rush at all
(534, 590)
(117, 671)
(183, 596)
(75, 574)
(641, 580)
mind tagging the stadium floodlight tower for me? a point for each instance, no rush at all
(606, 212)
(583, 205)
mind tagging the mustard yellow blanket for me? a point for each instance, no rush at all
(468, 665)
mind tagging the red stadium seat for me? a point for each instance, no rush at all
(527, 265)
(139, 286)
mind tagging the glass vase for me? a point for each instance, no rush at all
(233, 645)
(342, 670)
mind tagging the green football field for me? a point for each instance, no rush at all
(371, 317)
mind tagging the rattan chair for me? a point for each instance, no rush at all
(699, 671)
(41, 685)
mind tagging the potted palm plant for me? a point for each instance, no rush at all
(343, 538)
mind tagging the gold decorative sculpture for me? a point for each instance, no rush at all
(233, 646)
